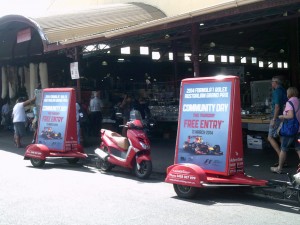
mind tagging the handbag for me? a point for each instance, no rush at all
(290, 127)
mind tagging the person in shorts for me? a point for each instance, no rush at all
(288, 113)
(19, 118)
(279, 99)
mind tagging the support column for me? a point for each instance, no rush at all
(44, 75)
(77, 59)
(195, 48)
(294, 53)
(175, 63)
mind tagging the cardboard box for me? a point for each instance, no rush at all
(254, 142)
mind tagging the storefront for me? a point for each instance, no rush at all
(252, 40)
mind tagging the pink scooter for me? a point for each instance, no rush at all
(132, 152)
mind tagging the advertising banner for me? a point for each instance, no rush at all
(202, 137)
(53, 119)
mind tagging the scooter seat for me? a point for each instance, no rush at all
(121, 141)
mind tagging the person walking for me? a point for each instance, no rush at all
(19, 118)
(126, 106)
(35, 123)
(288, 113)
(279, 98)
(95, 108)
(78, 121)
(5, 113)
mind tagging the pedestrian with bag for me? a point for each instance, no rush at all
(289, 128)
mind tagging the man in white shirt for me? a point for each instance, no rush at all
(19, 118)
(95, 108)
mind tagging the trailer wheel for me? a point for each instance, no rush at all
(37, 162)
(185, 191)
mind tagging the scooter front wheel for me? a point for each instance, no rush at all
(185, 191)
(143, 170)
(37, 162)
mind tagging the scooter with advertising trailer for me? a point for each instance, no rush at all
(57, 128)
(210, 112)
(132, 151)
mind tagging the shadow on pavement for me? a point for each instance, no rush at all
(241, 195)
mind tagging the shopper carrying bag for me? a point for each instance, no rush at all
(290, 127)
(288, 131)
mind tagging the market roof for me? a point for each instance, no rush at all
(135, 22)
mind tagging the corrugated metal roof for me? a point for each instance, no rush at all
(71, 27)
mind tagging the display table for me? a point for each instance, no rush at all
(256, 122)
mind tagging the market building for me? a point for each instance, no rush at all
(147, 47)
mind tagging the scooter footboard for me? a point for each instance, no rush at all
(186, 174)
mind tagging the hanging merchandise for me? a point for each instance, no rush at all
(20, 74)
(33, 78)
(13, 80)
(4, 83)
(26, 80)
(11, 91)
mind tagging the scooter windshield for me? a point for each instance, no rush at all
(135, 115)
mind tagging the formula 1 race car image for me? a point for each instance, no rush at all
(199, 147)
(50, 134)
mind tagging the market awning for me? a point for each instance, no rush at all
(58, 30)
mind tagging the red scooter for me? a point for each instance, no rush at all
(132, 151)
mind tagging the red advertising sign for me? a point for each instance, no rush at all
(209, 127)
(57, 120)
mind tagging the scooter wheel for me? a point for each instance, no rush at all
(144, 170)
(103, 165)
(185, 191)
(37, 162)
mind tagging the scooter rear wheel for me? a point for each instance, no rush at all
(144, 170)
(185, 191)
(103, 165)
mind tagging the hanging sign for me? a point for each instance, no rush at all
(74, 70)
(24, 35)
